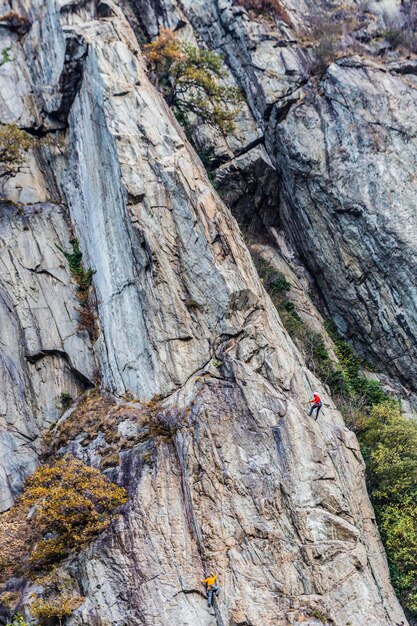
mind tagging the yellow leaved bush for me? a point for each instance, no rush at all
(64, 506)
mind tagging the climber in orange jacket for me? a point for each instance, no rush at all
(212, 587)
(316, 403)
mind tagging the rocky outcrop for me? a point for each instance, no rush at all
(42, 352)
(344, 156)
(249, 486)
(342, 147)
(243, 481)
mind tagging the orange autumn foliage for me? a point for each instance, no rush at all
(192, 81)
(64, 506)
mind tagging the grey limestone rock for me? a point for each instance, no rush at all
(247, 483)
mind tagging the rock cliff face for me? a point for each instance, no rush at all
(359, 186)
(342, 144)
(42, 352)
(245, 483)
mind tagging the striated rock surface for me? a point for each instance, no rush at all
(346, 160)
(42, 352)
(242, 480)
(343, 146)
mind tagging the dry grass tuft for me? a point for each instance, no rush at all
(265, 8)
(17, 23)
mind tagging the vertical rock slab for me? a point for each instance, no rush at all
(147, 225)
(346, 157)
(42, 352)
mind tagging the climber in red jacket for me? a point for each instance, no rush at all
(316, 404)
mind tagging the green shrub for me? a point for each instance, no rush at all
(278, 283)
(66, 400)
(277, 287)
(75, 258)
(353, 390)
(346, 354)
(370, 391)
(317, 356)
(87, 312)
(389, 446)
(190, 79)
(388, 440)
(5, 56)
(318, 614)
(367, 393)
(289, 317)
(274, 281)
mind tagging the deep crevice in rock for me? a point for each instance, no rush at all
(71, 78)
(37, 356)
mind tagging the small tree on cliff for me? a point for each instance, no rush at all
(13, 145)
(190, 79)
